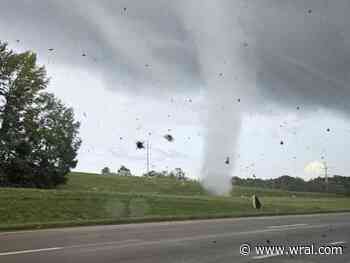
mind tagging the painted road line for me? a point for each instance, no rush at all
(286, 226)
(30, 251)
(337, 243)
(266, 256)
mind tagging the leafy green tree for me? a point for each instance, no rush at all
(106, 171)
(123, 171)
(179, 174)
(38, 134)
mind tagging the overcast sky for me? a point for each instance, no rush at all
(225, 78)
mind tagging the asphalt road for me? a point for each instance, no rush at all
(190, 241)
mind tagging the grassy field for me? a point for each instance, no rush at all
(132, 184)
(165, 185)
(91, 199)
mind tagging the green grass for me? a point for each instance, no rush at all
(92, 199)
(249, 191)
(120, 184)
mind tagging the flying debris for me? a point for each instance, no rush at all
(309, 11)
(245, 44)
(298, 108)
(256, 202)
(221, 74)
(149, 134)
(120, 138)
(190, 100)
(169, 137)
(17, 40)
(83, 55)
(239, 100)
(282, 142)
(227, 161)
(50, 49)
(124, 9)
(328, 129)
(146, 65)
(140, 145)
(169, 130)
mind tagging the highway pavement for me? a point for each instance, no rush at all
(219, 240)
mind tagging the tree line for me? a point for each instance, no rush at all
(336, 184)
(177, 173)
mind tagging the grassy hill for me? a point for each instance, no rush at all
(164, 185)
(95, 199)
(132, 184)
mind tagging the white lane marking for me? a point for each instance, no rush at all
(337, 243)
(30, 251)
(128, 241)
(286, 226)
(124, 242)
(266, 256)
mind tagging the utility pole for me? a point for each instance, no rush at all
(326, 174)
(148, 155)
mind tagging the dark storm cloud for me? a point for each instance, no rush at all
(299, 57)
(142, 48)
(303, 58)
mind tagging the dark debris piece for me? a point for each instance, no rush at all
(140, 145)
(328, 130)
(282, 142)
(120, 138)
(245, 44)
(309, 11)
(298, 108)
(146, 65)
(256, 202)
(50, 49)
(169, 137)
(17, 40)
(221, 74)
(239, 100)
(83, 55)
(124, 9)
(227, 161)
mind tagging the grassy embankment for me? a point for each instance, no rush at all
(94, 199)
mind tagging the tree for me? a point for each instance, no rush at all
(123, 171)
(38, 134)
(179, 174)
(106, 171)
